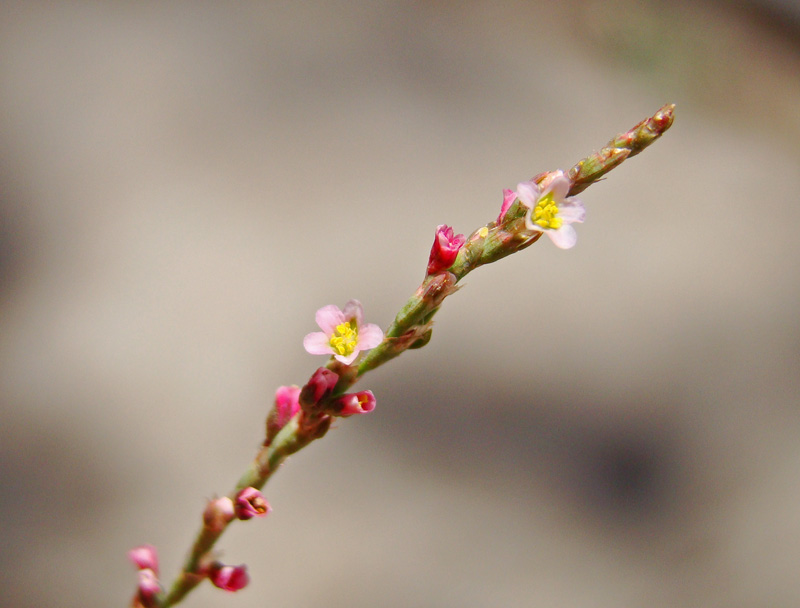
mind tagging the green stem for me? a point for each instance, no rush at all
(411, 327)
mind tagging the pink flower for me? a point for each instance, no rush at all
(354, 403)
(218, 513)
(549, 209)
(287, 404)
(509, 196)
(229, 578)
(251, 503)
(344, 333)
(445, 248)
(144, 557)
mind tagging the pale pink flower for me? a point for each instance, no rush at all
(229, 578)
(446, 246)
(251, 503)
(550, 210)
(344, 333)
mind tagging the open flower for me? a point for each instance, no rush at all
(344, 333)
(549, 209)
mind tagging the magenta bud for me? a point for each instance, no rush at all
(354, 403)
(218, 513)
(148, 587)
(229, 578)
(319, 386)
(445, 248)
(287, 404)
(251, 503)
(144, 557)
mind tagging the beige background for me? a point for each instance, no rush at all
(184, 184)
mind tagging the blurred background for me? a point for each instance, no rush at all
(183, 184)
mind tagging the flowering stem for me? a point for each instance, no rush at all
(412, 329)
(289, 440)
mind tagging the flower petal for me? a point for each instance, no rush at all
(559, 186)
(328, 317)
(528, 193)
(349, 358)
(353, 310)
(369, 336)
(572, 210)
(317, 343)
(563, 238)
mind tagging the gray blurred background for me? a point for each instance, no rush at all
(183, 184)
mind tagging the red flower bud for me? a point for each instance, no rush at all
(445, 249)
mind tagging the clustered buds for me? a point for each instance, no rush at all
(444, 251)
(145, 558)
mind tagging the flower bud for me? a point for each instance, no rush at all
(229, 578)
(251, 503)
(144, 557)
(354, 403)
(445, 248)
(148, 587)
(287, 404)
(218, 513)
(319, 386)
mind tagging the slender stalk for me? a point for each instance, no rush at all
(412, 329)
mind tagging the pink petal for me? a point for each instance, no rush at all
(353, 310)
(559, 186)
(349, 358)
(528, 193)
(317, 343)
(572, 210)
(369, 336)
(563, 238)
(509, 196)
(328, 317)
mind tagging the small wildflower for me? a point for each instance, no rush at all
(446, 246)
(251, 503)
(218, 513)
(550, 210)
(344, 333)
(362, 402)
(144, 557)
(229, 578)
(509, 196)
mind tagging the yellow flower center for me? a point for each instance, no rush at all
(345, 338)
(544, 214)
